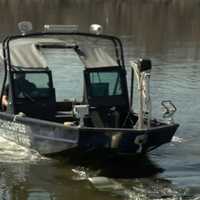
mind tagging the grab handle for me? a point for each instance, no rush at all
(169, 109)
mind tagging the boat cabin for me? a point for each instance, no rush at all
(34, 60)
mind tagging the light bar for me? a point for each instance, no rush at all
(61, 28)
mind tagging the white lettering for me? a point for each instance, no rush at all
(15, 131)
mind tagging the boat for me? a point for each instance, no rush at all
(103, 119)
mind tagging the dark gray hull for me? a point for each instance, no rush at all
(126, 141)
(43, 136)
(49, 137)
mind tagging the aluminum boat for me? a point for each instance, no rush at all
(103, 118)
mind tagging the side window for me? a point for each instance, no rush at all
(105, 83)
(31, 85)
(41, 80)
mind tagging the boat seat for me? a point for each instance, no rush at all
(105, 118)
(96, 119)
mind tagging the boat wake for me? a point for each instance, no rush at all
(11, 152)
(129, 185)
(144, 188)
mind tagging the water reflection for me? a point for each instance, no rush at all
(53, 180)
(126, 167)
(118, 179)
(46, 181)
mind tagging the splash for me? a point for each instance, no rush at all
(177, 139)
(11, 152)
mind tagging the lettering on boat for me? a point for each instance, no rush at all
(15, 131)
(13, 126)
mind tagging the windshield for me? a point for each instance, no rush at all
(67, 71)
(67, 64)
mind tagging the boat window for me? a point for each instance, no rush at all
(67, 71)
(105, 84)
(41, 80)
(35, 85)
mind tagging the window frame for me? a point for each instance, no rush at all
(48, 72)
(114, 100)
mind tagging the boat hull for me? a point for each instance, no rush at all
(50, 138)
(42, 136)
(126, 141)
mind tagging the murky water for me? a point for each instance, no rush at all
(167, 31)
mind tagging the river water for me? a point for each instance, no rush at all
(167, 32)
